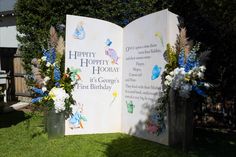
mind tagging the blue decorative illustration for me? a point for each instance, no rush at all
(111, 52)
(155, 72)
(108, 42)
(79, 32)
(77, 117)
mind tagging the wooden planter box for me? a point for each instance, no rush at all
(180, 115)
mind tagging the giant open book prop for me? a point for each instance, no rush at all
(120, 74)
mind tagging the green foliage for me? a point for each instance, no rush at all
(171, 56)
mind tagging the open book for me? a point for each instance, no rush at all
(120, 74)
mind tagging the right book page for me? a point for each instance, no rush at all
(144, 43)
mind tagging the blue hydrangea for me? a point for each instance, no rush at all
(181, 59)
(35, 100)
(47, 55)
(50, 55)
(37, 90)
(53, 55)
(57, 74)
(191, 61)
(57, 84)
(199, 91)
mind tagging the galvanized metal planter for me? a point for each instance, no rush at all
(55, 124)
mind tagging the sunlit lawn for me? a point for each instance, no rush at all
(27, 138)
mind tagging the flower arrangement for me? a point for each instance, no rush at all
(184, 71)
(53, 85)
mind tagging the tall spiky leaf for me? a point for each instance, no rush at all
(204, 57)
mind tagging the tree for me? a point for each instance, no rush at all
(213, 23)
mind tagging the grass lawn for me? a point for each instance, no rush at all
(26, 138)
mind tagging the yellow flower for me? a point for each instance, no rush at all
(187, 78)
(51, 93)
(115, 94)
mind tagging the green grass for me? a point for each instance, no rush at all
(27, 138)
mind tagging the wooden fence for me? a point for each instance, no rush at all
(21, 89)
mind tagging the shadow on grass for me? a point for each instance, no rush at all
(130, 146)
(208, 143)
(12, 117)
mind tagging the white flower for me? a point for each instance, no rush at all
(190, 72)
(59, 96)
(168, 77)
(181, 69)
(167, 83)
(200, 75)
(48, 64)
(59, 106)
(194, 82)
(176, 71)
(44, 89)
(202, 68)
(207, 85)
(44, 58)
(182, 72)
(172, 73)
(46, 79)
(194, 74)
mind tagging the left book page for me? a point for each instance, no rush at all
(95, 47)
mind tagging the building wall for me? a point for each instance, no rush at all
(6, 5)
(8, 37)
(7, 24)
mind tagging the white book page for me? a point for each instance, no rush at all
(95, 47)
(145, 41)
